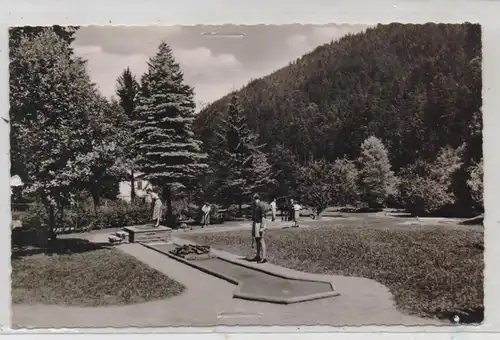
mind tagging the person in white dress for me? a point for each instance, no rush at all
(296, 213)
(157, 206)
(273, 210)
(205, 220)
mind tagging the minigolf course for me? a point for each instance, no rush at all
(253, 281)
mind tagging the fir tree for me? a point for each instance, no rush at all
(128, 93)
(285, 171)
(243, 167)
(170, 155)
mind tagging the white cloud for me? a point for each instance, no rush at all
(207, 72)
(105, 68)
(201, 64)
(126, 39)
(324, 34)
(301, 43)
(213, 67)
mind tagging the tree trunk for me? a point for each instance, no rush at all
(132, 186)
(95, 198)
(51, 237)
(240, 209)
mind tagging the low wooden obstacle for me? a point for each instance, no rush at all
(118, 237)
(192, 252)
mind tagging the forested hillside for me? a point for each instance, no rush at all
(415, 87)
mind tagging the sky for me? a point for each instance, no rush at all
(214, 66)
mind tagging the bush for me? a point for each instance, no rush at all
(475, 184)
(315, 185)
(233, 213)
(183, 209)
(424, 196)
(81, 216)
(426, 188)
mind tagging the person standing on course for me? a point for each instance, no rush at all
(259, 228)
(157, 206)
(205, 220)
(296, 213)
(273, 210)
(290, 209)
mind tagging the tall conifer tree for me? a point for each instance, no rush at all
(128, 92)
(242, 166)
(170, 155)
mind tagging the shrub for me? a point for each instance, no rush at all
(315, 185)
(376, 179)
(423, 196)
(184, 210)
(233, 213)
(475, 183)
(82, 216)
(426, 188)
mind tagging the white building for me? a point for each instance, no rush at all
(140, 188)
(15, 181)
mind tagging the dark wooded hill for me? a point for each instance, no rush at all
(416, 87)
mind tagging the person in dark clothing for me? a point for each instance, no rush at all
(259, 228)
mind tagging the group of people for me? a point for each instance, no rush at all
(259, 218)
(158, 207)
(289, 212)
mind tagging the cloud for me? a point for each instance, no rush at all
(104, 68)
(200, 67)
(126, 39)
(319, 35)
(214, 67)
(335, 32)
(202, 64)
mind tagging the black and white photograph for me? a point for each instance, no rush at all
(246, 175)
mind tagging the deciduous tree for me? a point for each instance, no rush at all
(50, 92)
(315, 185)
(376, 179)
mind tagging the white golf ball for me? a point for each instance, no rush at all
(456, 319)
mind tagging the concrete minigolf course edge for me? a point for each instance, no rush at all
(237, 293)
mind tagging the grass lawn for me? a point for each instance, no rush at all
(94, 278)
(431, 270)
